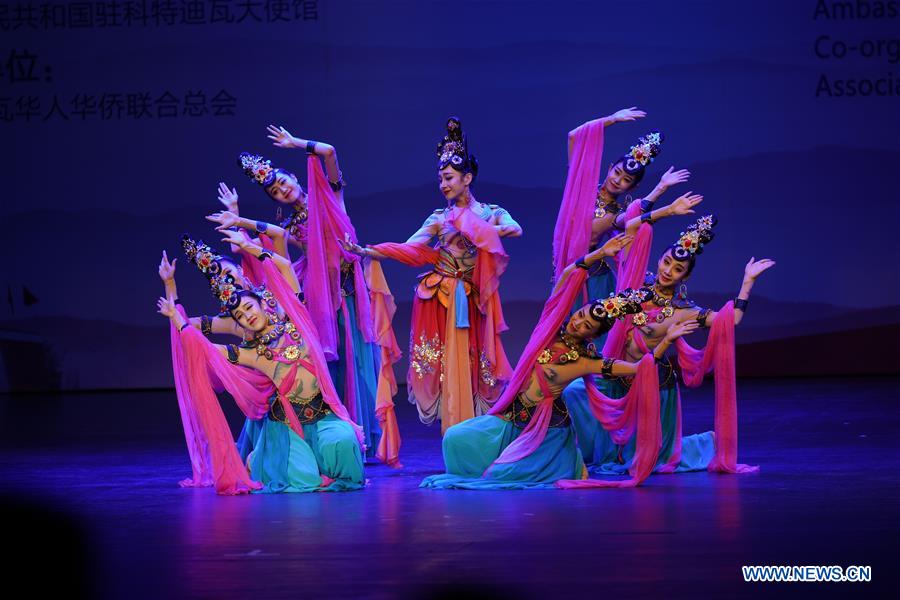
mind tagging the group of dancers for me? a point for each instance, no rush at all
(594, 400)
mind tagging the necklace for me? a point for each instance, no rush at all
(577, 349)
(262, 342)
(664, 302)
(296, 222)
(603, 207)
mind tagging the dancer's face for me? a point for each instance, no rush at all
(285, 189)
(582, 325)
(618, 181)
(250, 315)
(453, 184)
(671, 272)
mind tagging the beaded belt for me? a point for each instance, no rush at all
(520, 413)
(348, 283)
(307, 410)
(458, 274)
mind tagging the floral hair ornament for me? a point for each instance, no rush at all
(257, 168)
(693, 239)
(616, 306)
(643, 153)
(222, 284)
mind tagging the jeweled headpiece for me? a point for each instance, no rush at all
(257, 168)
(223, 285)
(616, 306)
(453, 149)
(643, 153)
(694, 238)
(204, 258)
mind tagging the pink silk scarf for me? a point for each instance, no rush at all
(201, 370)
(572, 234)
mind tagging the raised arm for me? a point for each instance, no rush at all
(228, 197)
(228, 220)
(167, 275)
(283, 139)
(626, 114)
(609, 249)
(253, 249)
(683, 205)
(754, 269)
(619, 368)
(232, 352)
(205, 324)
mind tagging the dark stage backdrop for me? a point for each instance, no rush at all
(118, 120)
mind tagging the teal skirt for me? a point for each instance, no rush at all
(365, 368)
(472, 446)
(284, 462)
(605, 457)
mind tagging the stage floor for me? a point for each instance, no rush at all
(90, 483)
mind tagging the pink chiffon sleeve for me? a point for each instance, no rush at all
(572, 234)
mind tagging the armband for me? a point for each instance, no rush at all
(702, 316)
(206, 325)
(232, 353)
(606, 369)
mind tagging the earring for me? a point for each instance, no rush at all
(682, 291)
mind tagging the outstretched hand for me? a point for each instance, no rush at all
(235, 238)
(228, 197)
(224, 218)
(166, 268)
(755, 268)
(681, 329)
(165, 307)
(281, 137)
(352, 247)
(684, 205)
(673, 177)
(616, 243)
(627, 114)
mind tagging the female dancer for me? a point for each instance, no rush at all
(527, 440)
(457, 364)
(668, 305)
(305, 440)
(348, 300)
(590, 213)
